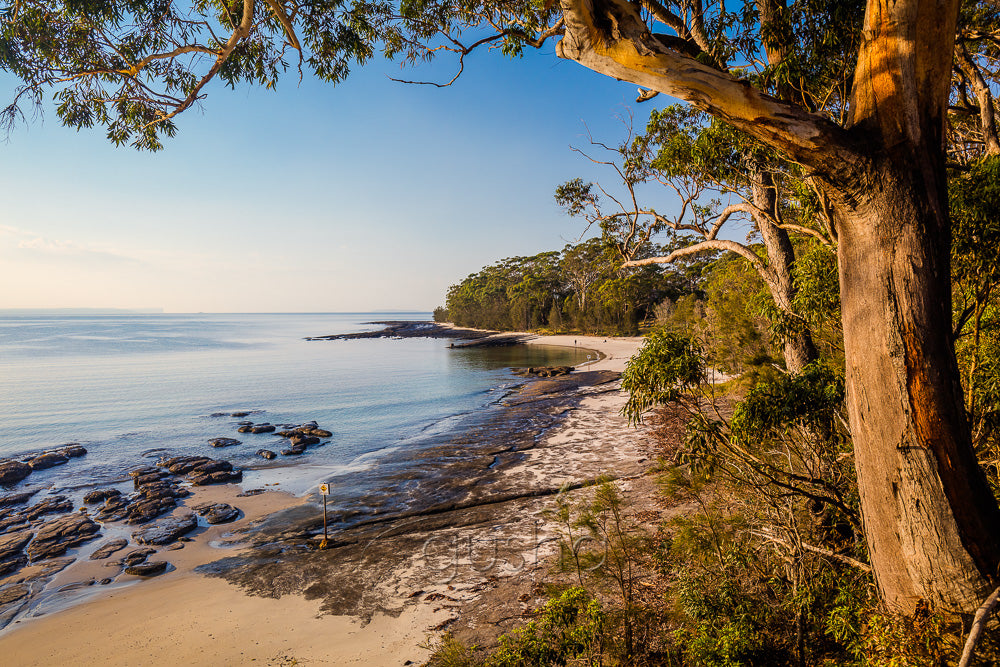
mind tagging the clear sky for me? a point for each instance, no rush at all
(365, 196)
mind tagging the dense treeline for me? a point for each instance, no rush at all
(581, 288)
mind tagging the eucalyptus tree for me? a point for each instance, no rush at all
(872, 141)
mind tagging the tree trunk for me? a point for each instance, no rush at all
(931, 522)
(798, 344)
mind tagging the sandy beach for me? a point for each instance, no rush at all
(185, 617)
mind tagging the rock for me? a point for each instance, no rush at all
(105, 581)
(42, 570)
(251, 492)
(287, 434)
(8, 499)
(244, 429)
(12, 544)
(105, 550)
(320, 433)
(137, 556)
(262, 428)
(303, 440)
(49, 506)
(99, 495)
(73, 450)
(239, 414)
(212, 466)
(47, 460)
(174, 547)
(55, 537)
(266, 454)
(293, 451)
(149, 569)
(14, 593)
(115, 509)
(12, 472)
(224, 442)
(143, 471)
(148, 509)
(218, 477)
(167, 530)
(142, 480)
(218, 512)
(182, 465)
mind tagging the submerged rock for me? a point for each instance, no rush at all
(47, 460)
(167, 530)
(8, 499)
(224, 442)
(262, 428)
(73, 450)
(12, 472)
(266, 453)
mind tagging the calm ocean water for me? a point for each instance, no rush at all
(131, 388)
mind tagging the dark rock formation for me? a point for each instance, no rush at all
(55, 537)
(12, 472)
(543, 371)
(137, 556)
(266, 453)
(224, 442)
(303, 440)
(239, 414)
(100, 495)
(111, 546)
(73, 450)
(293, 451)
(49, 506)
(218, 477)
(12, 550)
(149, 569)
(47, 460)
(166, 530)
(262, 428)
(115, 509)
(8, 499)
(215, 513)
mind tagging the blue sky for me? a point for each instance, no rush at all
(368, 195)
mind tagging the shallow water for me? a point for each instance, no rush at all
(132, 388)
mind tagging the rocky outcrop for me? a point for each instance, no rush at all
(543, 371)
(266, 454)
(224, 442)
(47, 460)
(108, 548)
(149, 569)
(8, 499)
(201, 470)
(52, 505)
(166, 530)
(12, 550)
(137, 556)
(55, 537)
(100, 495)
(219, 477)
(12, 472)
(216, 513)
(73, 450)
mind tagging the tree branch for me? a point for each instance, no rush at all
(978, 625)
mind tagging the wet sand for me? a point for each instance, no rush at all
(380, 590)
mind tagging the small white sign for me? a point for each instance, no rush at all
(324, 488)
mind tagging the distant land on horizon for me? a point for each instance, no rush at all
(160, 311)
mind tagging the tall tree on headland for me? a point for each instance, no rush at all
(931, 522)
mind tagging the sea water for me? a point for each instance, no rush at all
(134, 388)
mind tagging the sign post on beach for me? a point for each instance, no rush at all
(324, 489)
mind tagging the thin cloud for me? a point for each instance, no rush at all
(29, 245)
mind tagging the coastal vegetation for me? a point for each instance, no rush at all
(877, 453)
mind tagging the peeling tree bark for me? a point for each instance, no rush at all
(931, 522)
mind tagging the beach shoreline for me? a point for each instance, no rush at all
(202, 617)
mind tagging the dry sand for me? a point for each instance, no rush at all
(185, 618)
